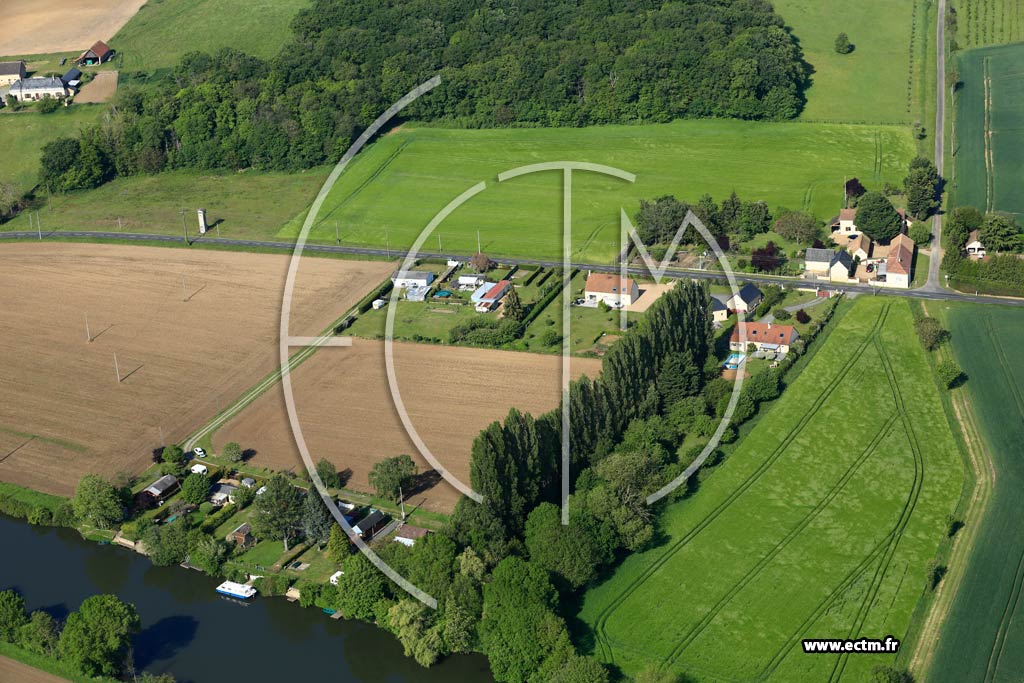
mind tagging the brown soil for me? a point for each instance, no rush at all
(649, 293)
(16, 672)
(347, 414)
(181, 361)
(99, 89)
(33, 27)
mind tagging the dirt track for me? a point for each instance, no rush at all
(63, 412)
(348, 417)
(32, 27)
(12, 671)
(99, 89)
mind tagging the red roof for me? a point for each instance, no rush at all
(495, 292)
(848, 214)
(767, 333)
(901, 255)
(605, 283)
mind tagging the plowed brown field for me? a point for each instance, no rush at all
(182, 358)
(32, 27)
(347, 414)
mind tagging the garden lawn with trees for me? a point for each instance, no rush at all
(804, 529)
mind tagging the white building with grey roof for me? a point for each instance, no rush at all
(33, 89)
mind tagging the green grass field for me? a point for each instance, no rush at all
(982, 637)
(23, 134)
(820, 524)
(164, 30)
(987, 145)
(877, 81)
(399, 183)
(251, 205)
(989, 22)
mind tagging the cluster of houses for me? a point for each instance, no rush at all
(486, 296)
(15, 81)
(858, 259)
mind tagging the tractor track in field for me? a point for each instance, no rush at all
(1010, 608)
(901, 525)
(795, 531)
(602, 639)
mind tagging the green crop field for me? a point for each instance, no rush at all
(988, 146)
(250, 205)
(989, 22)
(882, 79)
(394, 187)
(23, 134)
(820, 524)
(164, 30)
(984, 630)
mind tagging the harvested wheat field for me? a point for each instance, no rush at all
(33, 27)
(99, 89)
(192, 330)
(347, 414)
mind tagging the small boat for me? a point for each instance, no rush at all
(236, 590)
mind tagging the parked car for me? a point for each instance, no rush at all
(200, 452)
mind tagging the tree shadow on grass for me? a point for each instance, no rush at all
(423, 481)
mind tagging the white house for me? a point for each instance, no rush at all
(975, 249)
(765, 337)
(408, 535)
(860, 247)
(897, 270)
(747, 299)
(818, 261)
(719, 313)
(404, 279)
(489, 300)
(847, 223)
(471, 281)
(33, 89)
(611, 289)
(839, 268)
(198, 469)
(11, 72)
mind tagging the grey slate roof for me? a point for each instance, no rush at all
(8, 68)
(749, 292)
(43, 83)
(819, 255)
(843, 258)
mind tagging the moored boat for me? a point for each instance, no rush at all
(236, 590)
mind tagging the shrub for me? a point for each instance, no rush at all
(781, 313)
(930, 332)
(921, 233)
(843, 45)
(949, 373)
(803, 317)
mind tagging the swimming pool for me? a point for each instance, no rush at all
(733, 361)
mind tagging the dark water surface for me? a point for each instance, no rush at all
(191, 632)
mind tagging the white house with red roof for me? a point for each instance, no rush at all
(488, 301)
(613, 290)
(764, 337)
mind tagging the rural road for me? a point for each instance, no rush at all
(939, 134)
(936, 294)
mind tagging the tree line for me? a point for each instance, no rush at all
(502, 63)
(1002, 272)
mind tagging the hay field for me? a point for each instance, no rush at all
(64, 414)
(98, 90)
(348, 417)
(33, 27)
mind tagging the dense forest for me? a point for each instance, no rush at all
(503, 63)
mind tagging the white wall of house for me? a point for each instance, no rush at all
(838, 273)
(614, 298)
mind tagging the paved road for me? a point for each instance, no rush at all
(936, 294)
(939, 134)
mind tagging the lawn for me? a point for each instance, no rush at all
(988, 150)
(875, 83)
(23, 134)
(249, 205)
(399, 183)
(164, 30)
(989, 22)
(981, 637)
(816, 525)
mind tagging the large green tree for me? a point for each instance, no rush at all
(575, 551)
(96, 502)
(96, 638)
(317, 522)
(922, 187)
(195, 487)
(278, 511)
(798, 226)
(1000, 232)
(877, 217)
(360, 588)
(390, 476)
(12, 614)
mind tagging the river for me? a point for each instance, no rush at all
(191, 632)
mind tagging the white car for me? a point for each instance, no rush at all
(261, 490)
(200, 452)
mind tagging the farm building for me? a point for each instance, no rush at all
(897, 267)
(471, 281)
(408, 279)
(72, 78)
(248, 482)
(747, 299)
(11, 72)
(408, 535)
(975, 249)
(32, 89)
(818, 261)
(613, 290)
(492, 296)
(370, 524)
(417, 293)
(161, 489)
(97, 54)
(719, 313)
(222, 494)
(765, 337)
(242, 536)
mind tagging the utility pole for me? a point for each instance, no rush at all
(184, 230)
(401, 501)
(387, 240)
(88, 334)
(439, 248)
(337, 235)
(183, 286)
(117, 370)
(478, 249)
(119, 223)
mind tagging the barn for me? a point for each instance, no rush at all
(95, 55)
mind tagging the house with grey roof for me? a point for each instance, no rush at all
(818, 261)
(33, 89)
(11, 72)
(747, 299)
